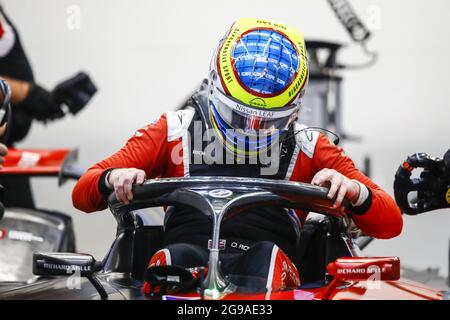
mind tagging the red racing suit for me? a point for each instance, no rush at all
(165, 149)
(153, 147)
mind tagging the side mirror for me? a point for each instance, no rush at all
(362, 268)
(63, 264)
(66, 264)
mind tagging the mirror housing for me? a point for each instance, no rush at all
(363, 268)
(66, 264)
(63, 264)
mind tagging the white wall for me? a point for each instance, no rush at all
(146, 56)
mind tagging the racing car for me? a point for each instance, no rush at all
(24, 231)
(330, 263)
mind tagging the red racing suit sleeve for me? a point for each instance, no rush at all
(146, 150)
(379, 216)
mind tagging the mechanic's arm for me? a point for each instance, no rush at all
(19, 89)
(374, 211)
(144, 155)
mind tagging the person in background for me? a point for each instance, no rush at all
(31, 101)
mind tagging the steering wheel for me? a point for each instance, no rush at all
(432, 186)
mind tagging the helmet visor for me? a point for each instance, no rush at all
(243, 117)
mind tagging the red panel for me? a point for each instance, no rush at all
(34, 161)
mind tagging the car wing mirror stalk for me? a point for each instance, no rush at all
(67, 264)
(362, 269)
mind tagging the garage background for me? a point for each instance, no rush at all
(147, 56)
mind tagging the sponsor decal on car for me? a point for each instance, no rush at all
(369, 270)
(71, 267)
(220, 193)
(29, 159)
(222, 244)
(23, 236)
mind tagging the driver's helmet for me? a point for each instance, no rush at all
(257, 77)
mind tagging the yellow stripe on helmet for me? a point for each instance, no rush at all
(226, 68)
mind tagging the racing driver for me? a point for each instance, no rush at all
(249, 104)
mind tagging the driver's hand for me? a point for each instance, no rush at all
(122, 180)
(340, 186)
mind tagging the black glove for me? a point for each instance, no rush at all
(432, 187)
(75, 92)
(41, 105)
